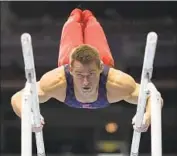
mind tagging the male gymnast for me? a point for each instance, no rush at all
(85, 76)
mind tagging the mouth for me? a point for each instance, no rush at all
(86, 89)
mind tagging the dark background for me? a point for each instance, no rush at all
(126, 25)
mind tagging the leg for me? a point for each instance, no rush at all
(94, 35)
(72, 36)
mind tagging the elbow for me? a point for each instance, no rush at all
(13, 102)
(16, 103)
(13, 99)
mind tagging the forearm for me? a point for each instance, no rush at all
(148, 106)
(133, 97)
(154, 92)
(134, 100)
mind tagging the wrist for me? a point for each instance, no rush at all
(148, 113)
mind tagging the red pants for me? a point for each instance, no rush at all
(75, 33)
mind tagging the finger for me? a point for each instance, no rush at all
(37, 129)
(143, 126)
(140, 129)
(133, 121)
(42, 122)
(137, 130)
(144, 130)
(41, 117)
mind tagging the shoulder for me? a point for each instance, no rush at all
(53, 79)
(121, 81)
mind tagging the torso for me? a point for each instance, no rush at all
(114, 89)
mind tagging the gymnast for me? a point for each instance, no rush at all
(85, 76)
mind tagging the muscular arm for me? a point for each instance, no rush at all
(120, 86)
(123, 87)
(46, 89)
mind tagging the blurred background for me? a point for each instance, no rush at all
(71, 131)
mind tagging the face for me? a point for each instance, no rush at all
(86, 77)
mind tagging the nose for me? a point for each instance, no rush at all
(85, 82)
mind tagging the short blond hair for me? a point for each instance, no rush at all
(85, 54)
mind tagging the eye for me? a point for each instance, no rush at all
(92, 74)
(79, 75)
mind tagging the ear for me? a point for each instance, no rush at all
(101, 65)
(70, 69)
